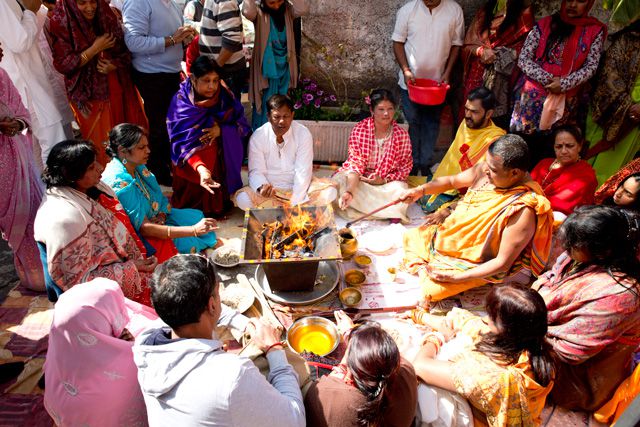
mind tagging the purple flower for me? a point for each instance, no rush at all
(306, 101)
(333, 98)
(320, 93)
(317, 102)
(297, 105)
(306, 80)
(307, 97)
(311, 87)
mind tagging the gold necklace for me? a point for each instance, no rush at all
(145, 191)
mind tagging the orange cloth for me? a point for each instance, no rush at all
(471, 235)
(626, 392)
(123, 106)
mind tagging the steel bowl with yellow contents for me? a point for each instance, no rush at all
(313, 334)
(354, 277)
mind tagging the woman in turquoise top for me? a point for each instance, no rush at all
(274, 66)
(613, 127)
(141, 196)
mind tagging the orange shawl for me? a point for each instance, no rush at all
(472, 235)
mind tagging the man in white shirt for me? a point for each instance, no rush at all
(187, 379)
(19, 32)
(281, 163)
(426, 42)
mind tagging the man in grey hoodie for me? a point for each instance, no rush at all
(187, 379)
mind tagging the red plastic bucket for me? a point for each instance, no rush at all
(428, 92)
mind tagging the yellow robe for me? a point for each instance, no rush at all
(467, 149)
(471, 235)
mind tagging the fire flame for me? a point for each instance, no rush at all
(292, 235)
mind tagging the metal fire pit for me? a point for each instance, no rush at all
(290, 274)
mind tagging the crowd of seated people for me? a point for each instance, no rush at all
(137, 299)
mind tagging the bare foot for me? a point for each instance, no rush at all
(218, 244)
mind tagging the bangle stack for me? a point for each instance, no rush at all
(172, 40)
(435, 338)
(84, 58)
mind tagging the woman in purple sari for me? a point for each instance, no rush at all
(207, 129)
(20, 187)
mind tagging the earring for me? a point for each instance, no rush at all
(124, 161)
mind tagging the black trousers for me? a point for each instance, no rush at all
(157, 91)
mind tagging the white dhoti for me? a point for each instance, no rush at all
(367, 198)
(322, 191)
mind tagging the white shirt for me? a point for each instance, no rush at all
(19, 34)
(428, 36)
(286, 166)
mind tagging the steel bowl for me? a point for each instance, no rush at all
(313, 334)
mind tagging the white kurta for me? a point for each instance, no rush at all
(287, 167)
(19, 34)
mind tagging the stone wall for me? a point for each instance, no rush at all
(347, 48)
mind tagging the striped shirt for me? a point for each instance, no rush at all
(222, 27)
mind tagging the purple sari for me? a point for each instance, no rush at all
(185, 122)
(20, 190)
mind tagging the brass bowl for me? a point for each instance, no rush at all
(362, 260)
(354, 277)
(350, 297)
(313, 334)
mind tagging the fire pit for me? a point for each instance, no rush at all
(290, 243)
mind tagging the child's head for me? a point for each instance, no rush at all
(627, 193)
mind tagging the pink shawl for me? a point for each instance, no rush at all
(90, 373)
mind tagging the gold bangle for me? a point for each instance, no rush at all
(168, 232)
(84, 57)
(173, 41)
(195, 234)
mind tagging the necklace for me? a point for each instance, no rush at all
(145, 191)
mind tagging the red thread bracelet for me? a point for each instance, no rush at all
(273, 345)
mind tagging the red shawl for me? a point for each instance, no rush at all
(611, 185)
(566, 187)
(71, 34)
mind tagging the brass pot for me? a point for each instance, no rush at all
(348, 242)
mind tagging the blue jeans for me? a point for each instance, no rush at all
(424, 125)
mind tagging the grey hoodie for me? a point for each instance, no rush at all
(193, 382)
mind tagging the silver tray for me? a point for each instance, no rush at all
(327, 270)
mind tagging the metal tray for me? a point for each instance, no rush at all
(327, 270)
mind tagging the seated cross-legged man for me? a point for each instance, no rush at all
(281, 163)
(188, 379)
(500, 232)
(468, 148)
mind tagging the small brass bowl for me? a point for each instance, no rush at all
(354, 277)
(362, 260)
(350, 297)
(313, 334)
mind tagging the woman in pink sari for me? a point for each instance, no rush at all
(91, 378)
(20, 187)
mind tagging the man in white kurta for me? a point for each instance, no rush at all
(19, 33)
(281, 163)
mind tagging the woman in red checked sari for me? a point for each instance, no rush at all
(87, 44)
(378, 165)
(207, 130)
(490, 52)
